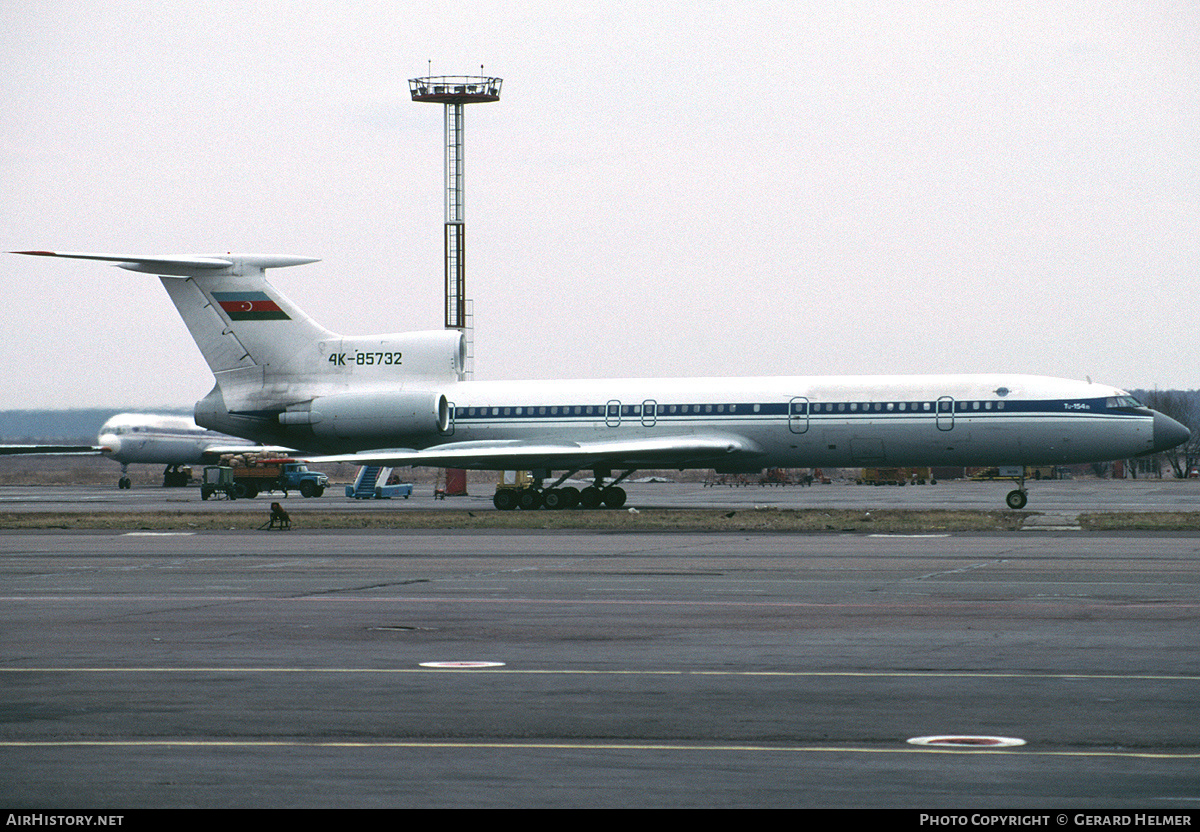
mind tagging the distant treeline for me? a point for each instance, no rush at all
(22, 427)
(1183, 405)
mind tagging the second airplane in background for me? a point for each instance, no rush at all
(150, 438)
(400, 399)
(174, 441)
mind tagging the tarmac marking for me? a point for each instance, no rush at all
(966, 741)
(581, 746)
(348, 595)
(804, 674)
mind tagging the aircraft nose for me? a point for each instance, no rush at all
(1168, 433)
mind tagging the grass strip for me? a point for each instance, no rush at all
(883, 521)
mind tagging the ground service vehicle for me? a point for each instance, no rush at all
(218, 480)
(257, 474)
(374, 482)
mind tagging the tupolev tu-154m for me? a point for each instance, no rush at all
(401, 399)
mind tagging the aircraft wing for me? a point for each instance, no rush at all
(692, 450)
(51, 450)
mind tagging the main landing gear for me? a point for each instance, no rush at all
(556, 497)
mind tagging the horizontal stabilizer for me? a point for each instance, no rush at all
(496, 455)
(182, 266)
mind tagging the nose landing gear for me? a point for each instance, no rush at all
(1018, 497)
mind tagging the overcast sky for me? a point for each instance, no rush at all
(746, 188)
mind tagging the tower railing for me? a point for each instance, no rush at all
(455, 89)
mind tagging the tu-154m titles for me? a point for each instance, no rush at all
(400, 399)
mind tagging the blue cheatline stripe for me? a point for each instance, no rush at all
(744, 411)
(815, 410)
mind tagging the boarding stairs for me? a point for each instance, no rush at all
(368, 477)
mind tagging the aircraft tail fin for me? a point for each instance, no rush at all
(271, 361)
(239, 321)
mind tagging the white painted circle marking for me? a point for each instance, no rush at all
(461, 665)
(966, 741)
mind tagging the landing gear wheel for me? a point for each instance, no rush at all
(590, 497)
(124, 483)
(571, 496)
(1016, 499)
(505, 499)
(529, 499)
(614, 496)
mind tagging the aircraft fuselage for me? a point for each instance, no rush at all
(828, 421)
(800, 421)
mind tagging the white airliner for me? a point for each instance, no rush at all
(174, 441)
(400, 399)
(157, 439)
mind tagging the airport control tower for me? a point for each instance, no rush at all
(455, 92)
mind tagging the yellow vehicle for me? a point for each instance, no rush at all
(516, 489)
(1015, 473)
(896, 476)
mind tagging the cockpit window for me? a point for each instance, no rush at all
(1122, 401)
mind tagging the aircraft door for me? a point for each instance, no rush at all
(612, 413)
(649, 413)
(798, 415)
(945, 413)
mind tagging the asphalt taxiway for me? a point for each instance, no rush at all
(237, 669)
(1044, 496)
